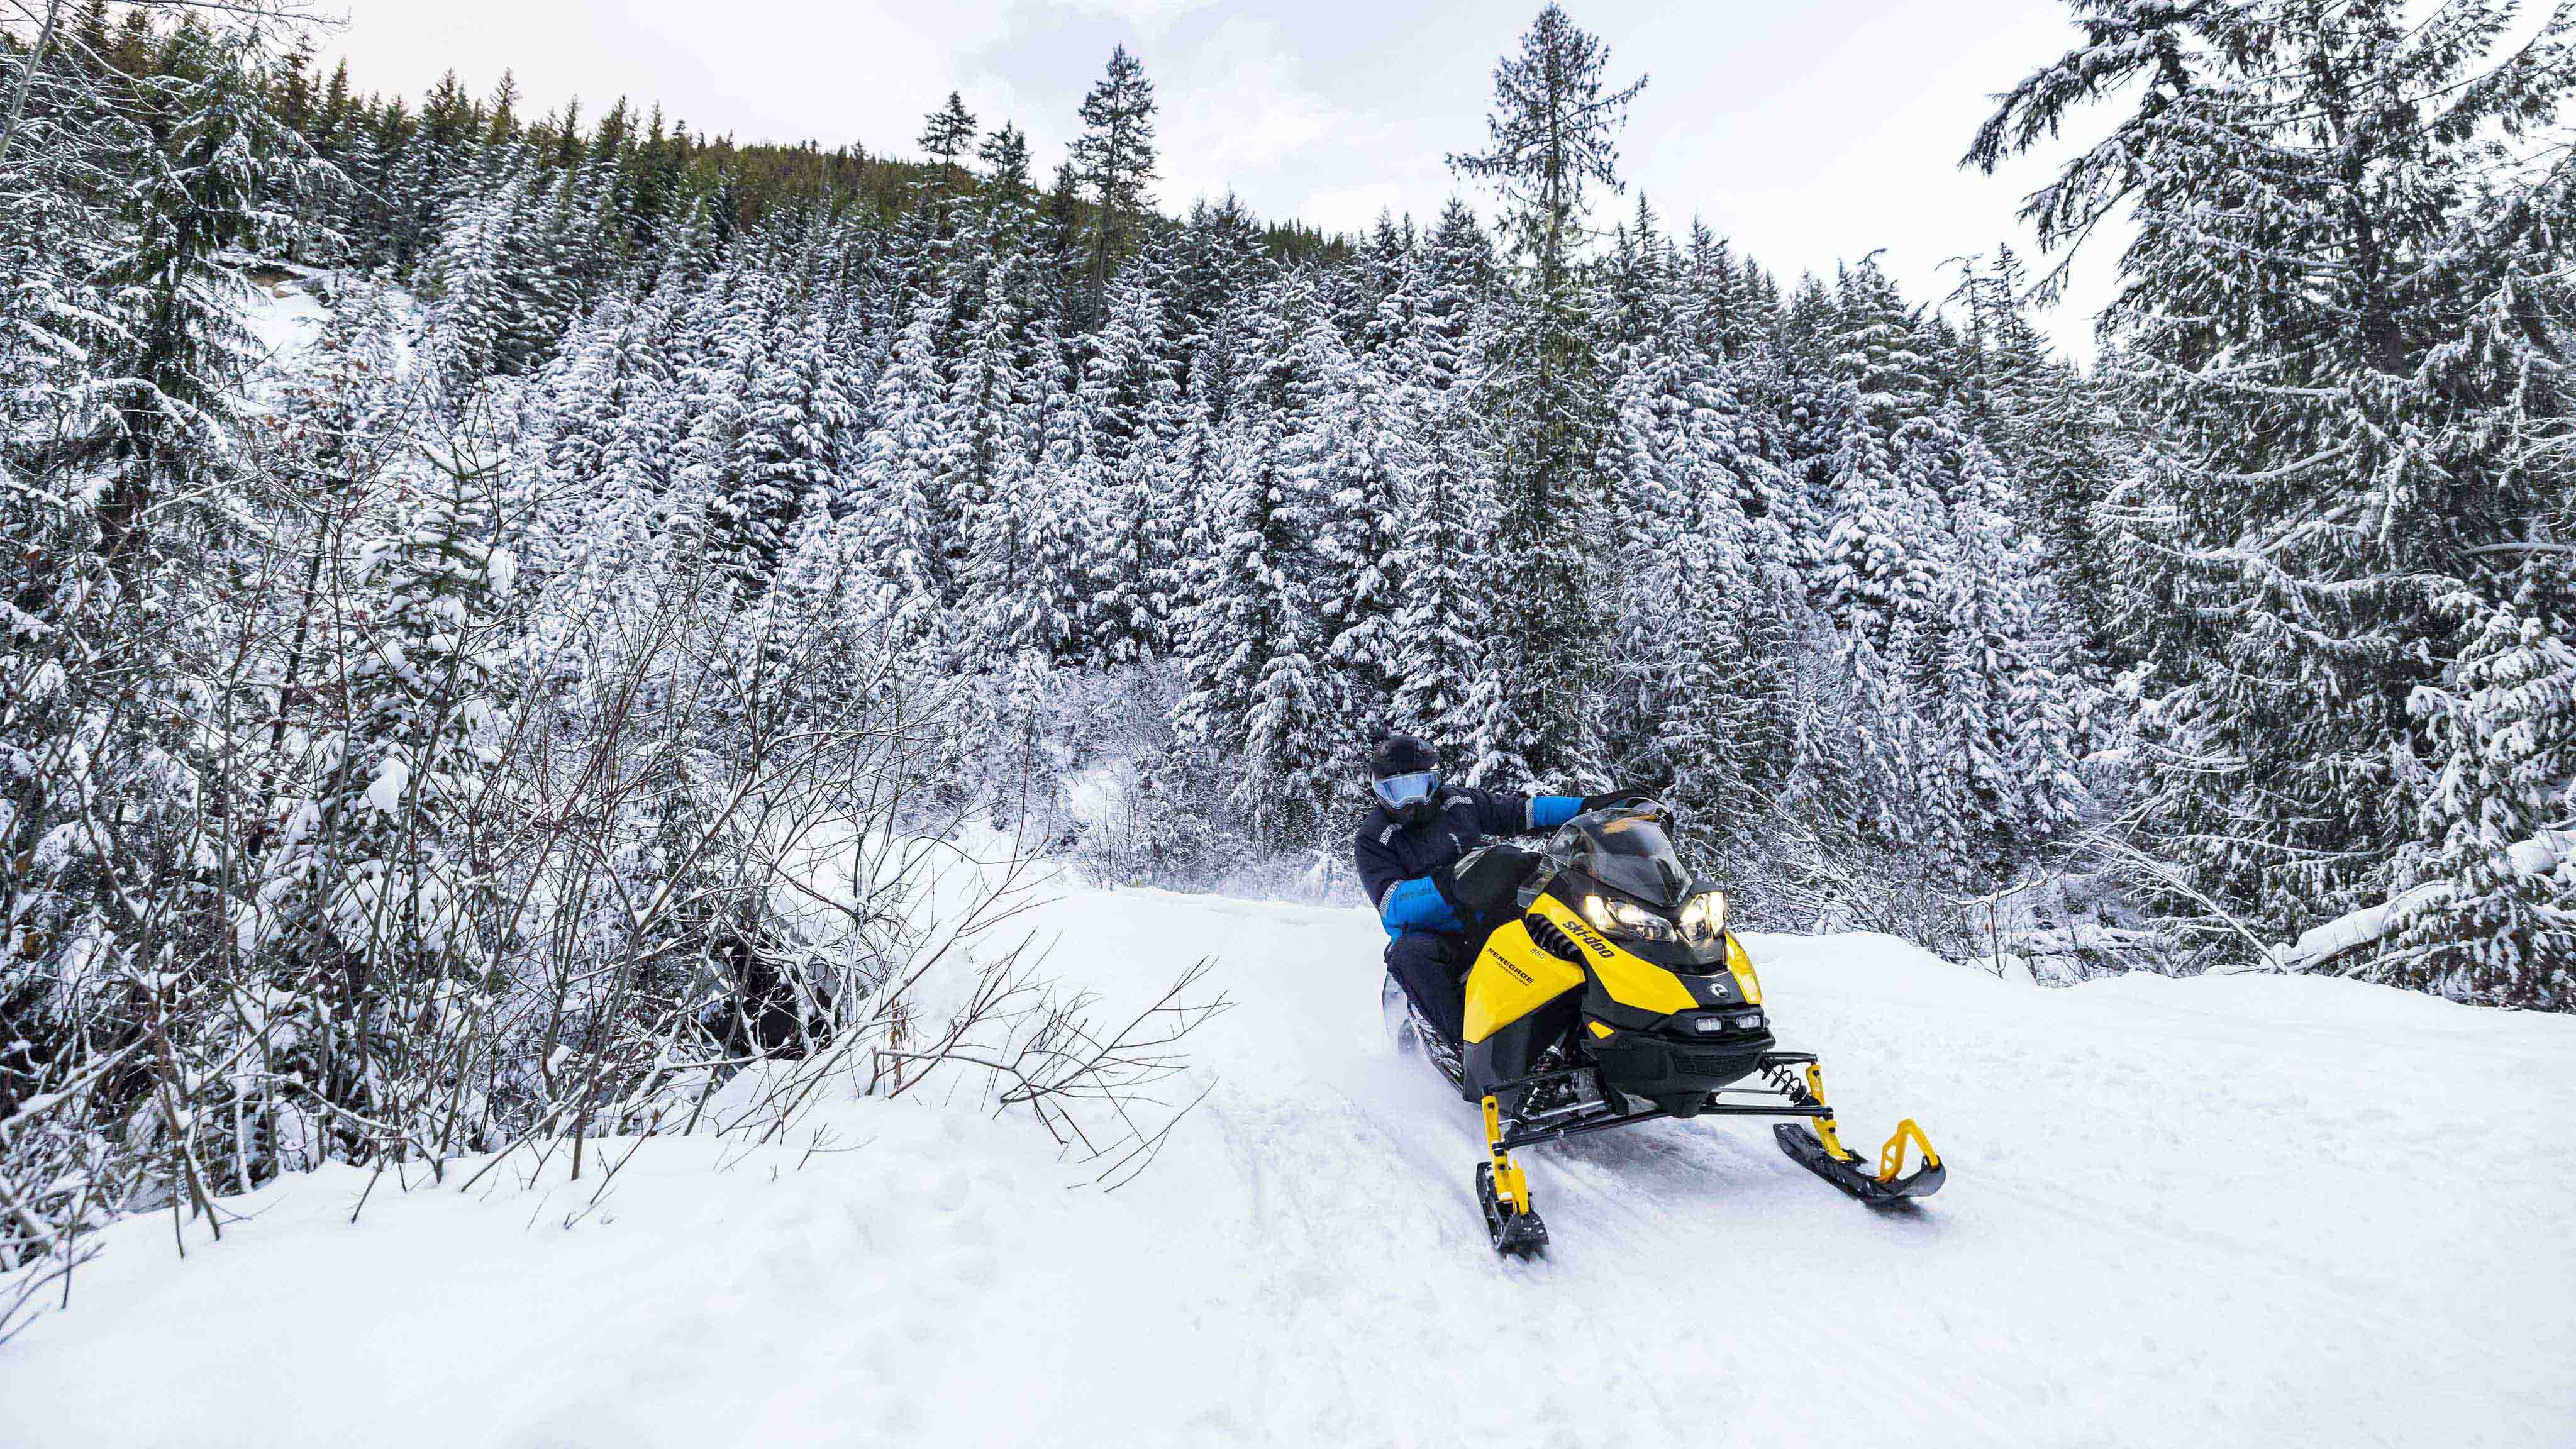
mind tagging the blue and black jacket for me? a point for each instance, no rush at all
(1396, 862)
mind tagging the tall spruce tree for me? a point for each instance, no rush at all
(1551, 140)
(1445, 681)
(169, 338)
(1114, 160)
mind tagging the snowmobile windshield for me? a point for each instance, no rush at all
(1398, 791)
(1630, 854)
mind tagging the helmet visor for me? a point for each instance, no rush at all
(1397, 791)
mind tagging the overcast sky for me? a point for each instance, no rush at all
(1808, 132)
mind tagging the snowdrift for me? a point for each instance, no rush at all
(2234, 1210)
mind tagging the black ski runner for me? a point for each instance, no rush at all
(1808, 1151)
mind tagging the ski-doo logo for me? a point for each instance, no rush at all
(1594, 943)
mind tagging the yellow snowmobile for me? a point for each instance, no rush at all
(1618, 996)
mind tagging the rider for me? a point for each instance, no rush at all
(1412, 852)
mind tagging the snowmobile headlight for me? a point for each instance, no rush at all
(1704, 917)
(1620, 918)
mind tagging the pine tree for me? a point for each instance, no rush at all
(467, 276)
(903, 491)
(1374, 299)
(1208, 269)
(2494, 916)
(1249, 646)
(1005, 211)
(1057, 495)
(1345, 451)
(1727, 668)
(993, 432)
(1887, 482)
(947, 134)
(371, 904)
(789, 455)
(1447, 689)
(1552, 133)
(1234, 613)
(1708, 600)
(1130, 416)
(173, 340)
(2045, 421)
(1114, 159)
(543, 252)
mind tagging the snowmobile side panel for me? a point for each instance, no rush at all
(1512, 978)
(1514, 1049)
(1740, 966)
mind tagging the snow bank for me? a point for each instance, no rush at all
(871, 1284)
(2230, 1210)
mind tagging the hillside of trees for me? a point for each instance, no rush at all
(388, 725)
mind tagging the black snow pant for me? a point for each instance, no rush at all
(1432, 969)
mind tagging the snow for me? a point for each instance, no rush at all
(384, 793)
(1098, 795)
(2225, 1210)
(2540, 855)
(2354, 929)
(285, 319)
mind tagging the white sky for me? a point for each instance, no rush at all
(1808, 132)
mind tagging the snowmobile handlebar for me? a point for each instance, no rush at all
(1613, 799)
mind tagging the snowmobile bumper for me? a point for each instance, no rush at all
(1678, 1072)
(1722, 1102)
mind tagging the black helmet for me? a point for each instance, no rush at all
(1404, 775)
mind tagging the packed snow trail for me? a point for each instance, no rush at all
(2242, 1210)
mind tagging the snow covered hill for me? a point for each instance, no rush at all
(2244, 1210)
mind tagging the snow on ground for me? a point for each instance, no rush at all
(285, 320)
(2250, 1210)
(285, 311)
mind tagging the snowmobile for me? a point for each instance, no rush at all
(1616, 996)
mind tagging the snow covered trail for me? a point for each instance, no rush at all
(2241, 1210)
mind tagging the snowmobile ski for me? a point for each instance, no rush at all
(1817, 1148)
(1503, 1191)
(1808, 1150)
